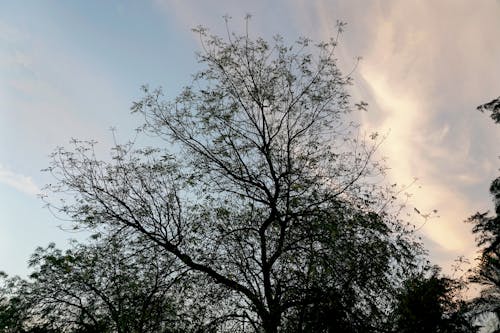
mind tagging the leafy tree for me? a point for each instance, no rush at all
(430, 303)
(109, 285)
(267, 192)
(487, 229)
(15, 309)
(11, 308)
(487, 273)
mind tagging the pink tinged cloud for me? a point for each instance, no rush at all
(426, 65)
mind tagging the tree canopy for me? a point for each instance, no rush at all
(265, 190)
(429, 302)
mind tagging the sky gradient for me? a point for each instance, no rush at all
(72, 69)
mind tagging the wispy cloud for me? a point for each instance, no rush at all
(18, 181)
(425, 69)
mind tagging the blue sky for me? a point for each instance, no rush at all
(72, 69)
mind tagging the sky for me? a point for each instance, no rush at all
(71, 69)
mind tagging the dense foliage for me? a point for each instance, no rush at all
(431, 303)
(487, 229)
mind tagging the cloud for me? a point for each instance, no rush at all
(421, 77)
(425, 69)
(17, 181)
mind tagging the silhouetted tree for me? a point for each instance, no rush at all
(107, 285)
(267, 193)
(487, 230)
(429, 302)
(15, 309)
(12, 311)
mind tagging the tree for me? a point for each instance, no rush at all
(487, 230)
(267, 192)
(15, 309)
(108, 285)
(429, 302)
(12, 311)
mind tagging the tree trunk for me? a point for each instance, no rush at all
(271, 323)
